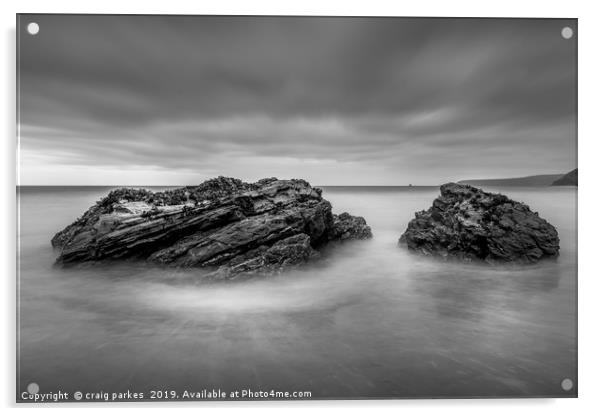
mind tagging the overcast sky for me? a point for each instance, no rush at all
(337, 101)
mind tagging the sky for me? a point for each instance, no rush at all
(176, 100)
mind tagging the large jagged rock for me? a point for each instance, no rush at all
(469, 224)
(224, 223)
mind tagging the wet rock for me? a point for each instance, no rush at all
(224, 224)
(288, 252)
(346, 226)
(469, 224)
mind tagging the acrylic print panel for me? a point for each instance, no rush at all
(257, 208)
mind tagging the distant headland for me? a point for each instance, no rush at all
(536, 180)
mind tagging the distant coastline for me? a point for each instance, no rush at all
(555, 179)
(535, 180)
(569, 179)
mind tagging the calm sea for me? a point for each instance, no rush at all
(368, 320)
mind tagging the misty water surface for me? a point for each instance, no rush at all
(368, 320)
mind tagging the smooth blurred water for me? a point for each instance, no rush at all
(368, 320)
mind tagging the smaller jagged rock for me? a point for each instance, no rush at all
(469, 224)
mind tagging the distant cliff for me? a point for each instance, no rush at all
(538, 180)
(568, 179)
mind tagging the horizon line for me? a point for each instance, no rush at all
(181, 186)
(406, 185)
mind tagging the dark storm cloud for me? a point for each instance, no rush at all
(388, 98)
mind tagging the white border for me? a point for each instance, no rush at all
(590, 286)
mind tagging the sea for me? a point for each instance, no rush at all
(368, 320)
